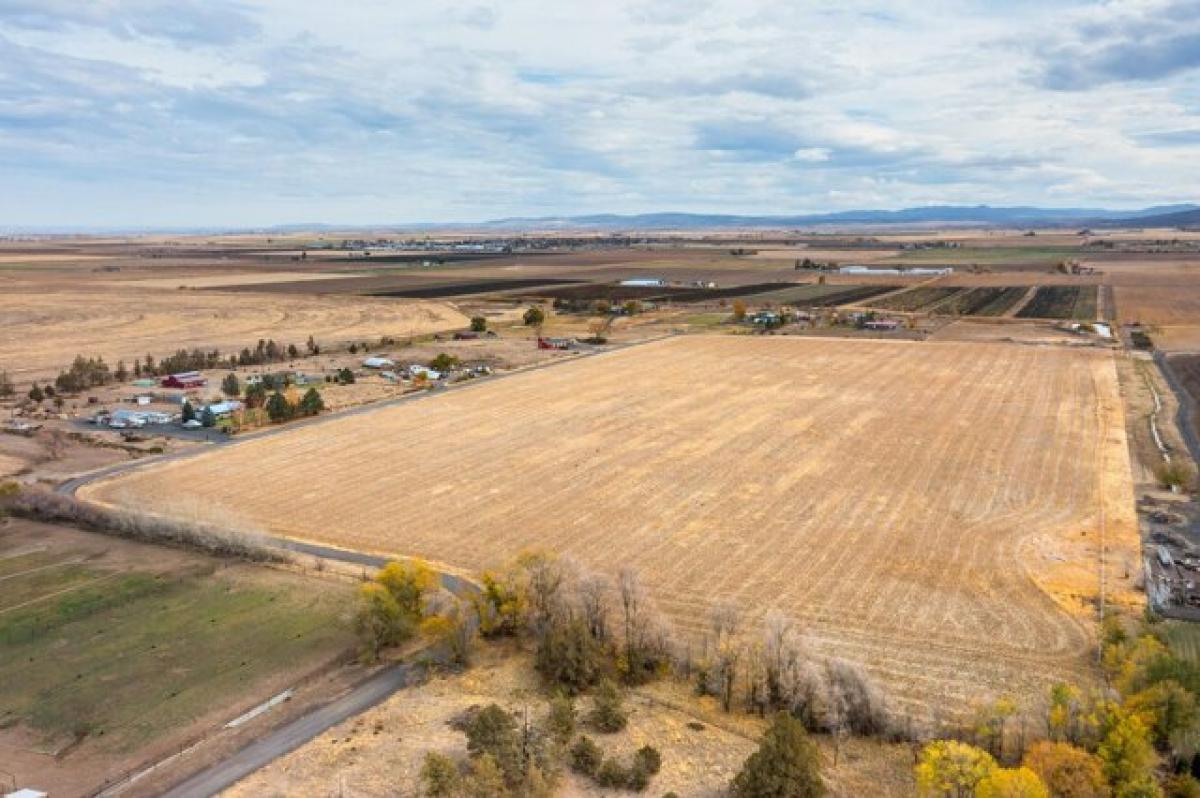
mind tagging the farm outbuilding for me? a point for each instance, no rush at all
(377, 363)
(220, 409)
(184, 379)
(644, 282)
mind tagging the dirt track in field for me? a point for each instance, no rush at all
(931, 510)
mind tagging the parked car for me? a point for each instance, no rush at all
(193, 423)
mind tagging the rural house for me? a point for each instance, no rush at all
(184, 379)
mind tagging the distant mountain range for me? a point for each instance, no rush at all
(1178, 218)
(1180, 215)
(934, 214)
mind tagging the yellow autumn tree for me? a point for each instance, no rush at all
(950, 769)
(1068, 772)
(1011, 783)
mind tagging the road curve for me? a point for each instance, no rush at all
(290, 736)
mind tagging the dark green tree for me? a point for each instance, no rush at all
(534, 317)
(279, 408)
(787, 764)
(444, 362)
(187, 413)
(208, 418)
(311, 403)
(230, 385)
(36, 394)
(256, 395)
(478, 323)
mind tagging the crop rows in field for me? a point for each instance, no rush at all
(1062, 302)
(879, 492)
(992, 301)
(918, 298)
(847, 295)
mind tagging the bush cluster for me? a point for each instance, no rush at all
(43, 505)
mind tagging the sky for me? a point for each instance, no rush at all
(240, 113)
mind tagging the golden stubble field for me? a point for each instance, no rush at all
(1162, 294)
(48, 321)
(931, 510)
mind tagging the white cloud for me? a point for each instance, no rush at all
(263, 111)
(811, 154)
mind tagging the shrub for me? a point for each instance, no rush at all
(648, 759)
(1174, 475)
(646, 763)
(478, 323)
(485, 779)
(612, 775)
(585, 756)
(534, 317)
(218, 537)
(440, 776)
(378, 620)
(492, 732)
(608, 715)
(560, 722)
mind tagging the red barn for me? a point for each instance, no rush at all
(185, 379)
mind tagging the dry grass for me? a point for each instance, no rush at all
(49, 321)
(380, 752)
(1163, 294)
(930, 511)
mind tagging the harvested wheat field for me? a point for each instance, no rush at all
(931, 510)
(118, 322)
(1162, 294)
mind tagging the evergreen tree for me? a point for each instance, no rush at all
(278, 407)
(230, 385)
(311, 403)
(35, 393)
(786, 765)
(187, 413)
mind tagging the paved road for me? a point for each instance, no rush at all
(291, 736)
(1183, 416)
